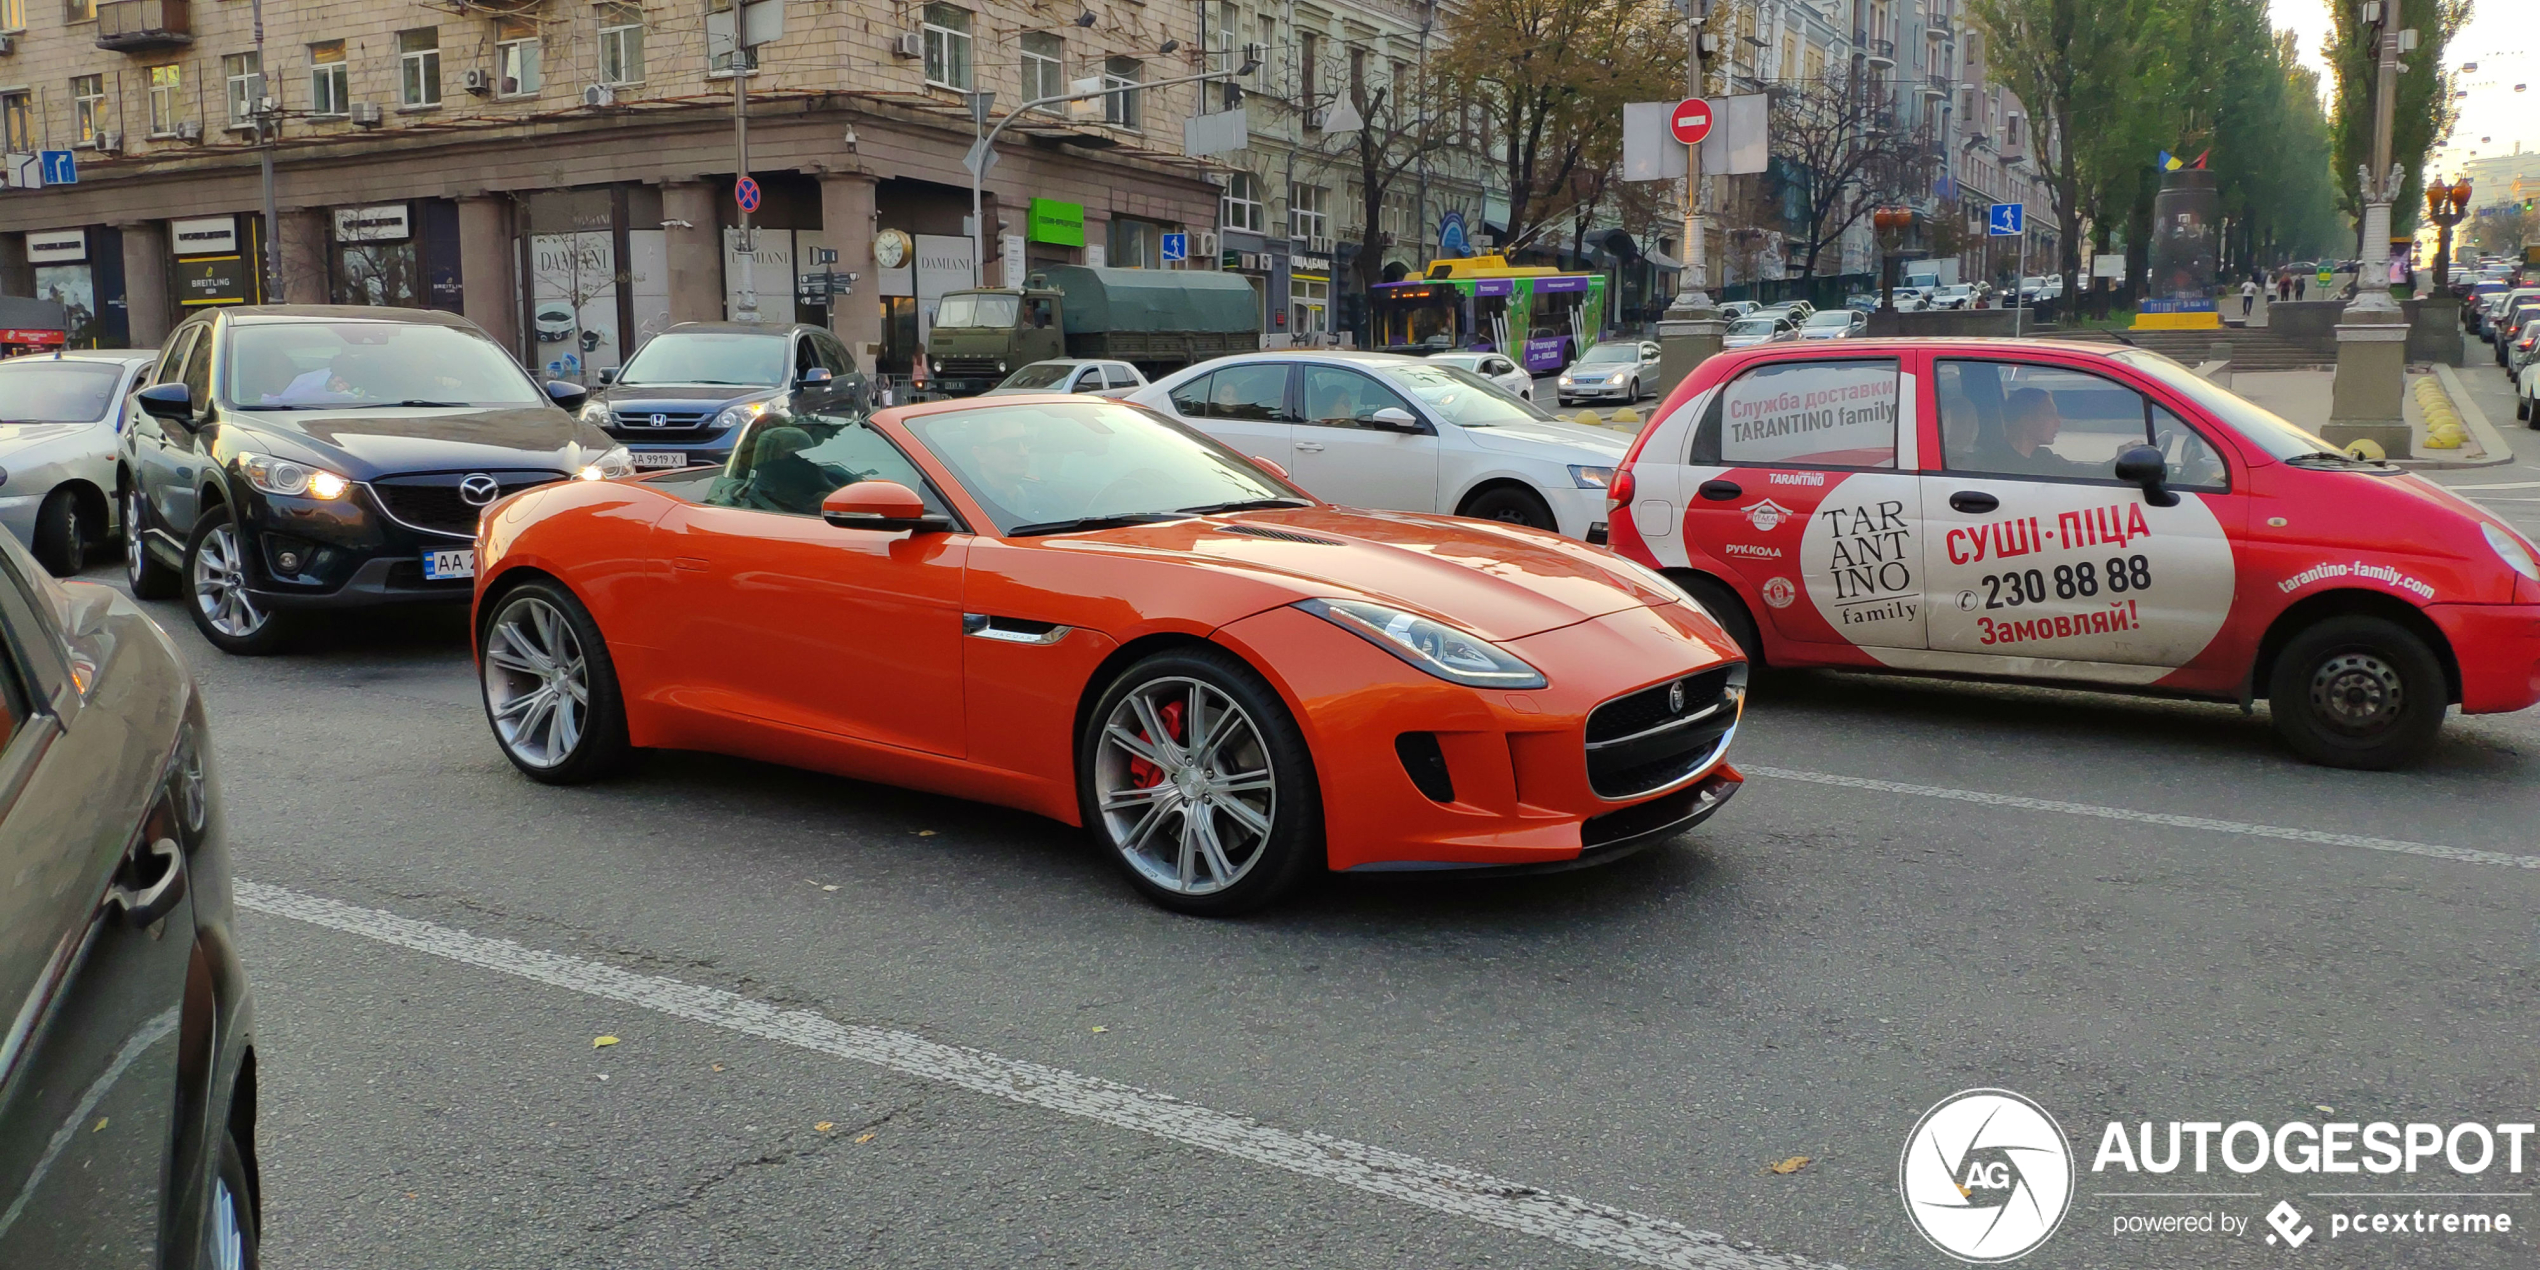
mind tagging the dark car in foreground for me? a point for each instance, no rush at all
(127, 1071)
(289, 458)
(686, 392)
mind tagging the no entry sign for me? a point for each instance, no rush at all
(1690, 120)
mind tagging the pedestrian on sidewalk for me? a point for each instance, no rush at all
(2300, 285)
(2283, 285)
(2248, 296)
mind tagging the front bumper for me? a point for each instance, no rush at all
(2498, 649)
(1594, 392)
(351, 553)
(1517, 761)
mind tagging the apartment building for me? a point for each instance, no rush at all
(564, 172)
(1988, 150)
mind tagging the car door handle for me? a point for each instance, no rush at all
(1721, 491)
(1310, 447)
(144, 906)
(1973, 502)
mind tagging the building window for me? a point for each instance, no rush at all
(621, 44)
(515, 58)
(1307, 45)
(1042, 55)
(17, 121)
(328, 95)
(88, 107)
(1309, 306)
(1309, 214)
(948, 46)
(1120, 91)
(244, 75)
(12, 15)
(167, 99)
(419, 67)
(83, 10)
(1243, 201)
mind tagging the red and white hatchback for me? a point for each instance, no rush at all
(2081, 515)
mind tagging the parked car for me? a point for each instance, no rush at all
(684, 394)
(2052, 512)
(127, 1088)
(1956, 295)
(1381, 430)
(2515, 350)
(2527, 392)
(1735, 309)
(1493, 367)
(60, 417)
(1073, 374)
(1083, 610)
(1797, 311)
(1862, 301)
(1762, 328)
(1834, 324)
(1611, 370)
(290, 457)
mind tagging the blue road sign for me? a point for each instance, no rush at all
(746, 194)
(60, 167)
(2007, 220)
(1177, 247)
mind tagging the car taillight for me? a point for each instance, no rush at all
(1618, 491)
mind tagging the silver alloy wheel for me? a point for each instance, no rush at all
(133, 541)
(2358, 693)
(537, 682)
(1192, 813)
(220, 585)
(226, 1244)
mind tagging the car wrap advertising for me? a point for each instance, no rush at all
(2071, 571)
(1838, 414)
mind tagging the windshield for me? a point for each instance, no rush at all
(970, 308)
(1048, 464)
(304, 365)
(738, 359)
(1039, 375)
(1751, 326)
(1468, 361)
(1830, 319)
(1610, 353)
(50, 391)
(2263, 427)
(1461, 397)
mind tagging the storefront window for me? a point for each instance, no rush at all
(1309, 305)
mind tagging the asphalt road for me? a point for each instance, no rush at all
(1927, 887)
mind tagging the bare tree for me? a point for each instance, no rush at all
(1391, 137)
(1847, 153)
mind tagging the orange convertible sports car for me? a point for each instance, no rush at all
(1075, 607)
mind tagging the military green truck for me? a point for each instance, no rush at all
(1158, 320)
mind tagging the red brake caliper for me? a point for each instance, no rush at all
(1142, 773)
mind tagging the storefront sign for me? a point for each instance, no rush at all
(1051, 221)
(217, 280)
(382, 224)
(204, 236)
(57, 247)
(943, 263)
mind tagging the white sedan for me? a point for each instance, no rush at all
(1620, 370)
(2527, 394)
(1402, 433)
(1072, 374)
(60, 414)
(1493, 367)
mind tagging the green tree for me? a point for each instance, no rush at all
(2075, 64)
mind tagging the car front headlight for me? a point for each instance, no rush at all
(735, 416)
(2510, 548)
(596, 413)
(290, 479)
(1591, 477)
(614, 463)
(1435, 647)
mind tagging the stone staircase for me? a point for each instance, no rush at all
(2252, 349)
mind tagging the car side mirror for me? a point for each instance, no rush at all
(174, 402)
(1395, 419)
(608, 377)
(2144, 466)
(816, 377)
(569, 396)
(885, 505)
(1268, 466)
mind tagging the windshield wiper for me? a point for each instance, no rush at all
(1245, 505)
(1093, 522)
(377, 405)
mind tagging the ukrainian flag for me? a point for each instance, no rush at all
(2171, 162)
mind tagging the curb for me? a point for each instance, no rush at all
(2490, 441)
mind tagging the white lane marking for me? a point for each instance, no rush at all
(1649, 1241)
(2463, 855)
(2495, 485)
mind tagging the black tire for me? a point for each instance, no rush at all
(61, 534)
(2357, 692)
(148, 578)
(597, 746)
(1514, 505)
(1271, 863)
(1726, 609)
(216, 569)
(233, 1235)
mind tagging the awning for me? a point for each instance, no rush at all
(1661, 259)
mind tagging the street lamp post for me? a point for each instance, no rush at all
(1891, 223)
(2372, 336)
(2445, 205)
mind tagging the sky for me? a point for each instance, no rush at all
(2507, 52)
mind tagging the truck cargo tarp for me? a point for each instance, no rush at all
(1154, 300)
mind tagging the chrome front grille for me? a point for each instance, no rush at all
(1648, 740)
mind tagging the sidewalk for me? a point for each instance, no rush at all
(2303, 397)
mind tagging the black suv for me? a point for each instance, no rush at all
(295, 457)
(686, 392)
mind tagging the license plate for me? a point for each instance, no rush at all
(660, 458)
(441, 566)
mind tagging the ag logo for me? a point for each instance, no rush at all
(1986, 1175)
(1766, 514)
(1779, 592)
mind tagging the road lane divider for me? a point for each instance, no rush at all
(1444, 1188)
(2461, 855)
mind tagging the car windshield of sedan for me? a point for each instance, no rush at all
(2264, 428)
(1610, 353)
(1831, 317)
(1461, 397)
(1069, 465)
(49, 391)
(733, 358)
(1752, 326)
(322, 365)
(1039, 375)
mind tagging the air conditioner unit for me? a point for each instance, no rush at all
(1207, 244)
(1319, 244)
(365, 114)
(190, 130)
(1314, 119)
(8, 44)
(599, 95)
(908, 44)
(476, 82)
(108, 142)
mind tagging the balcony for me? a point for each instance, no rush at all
(1936, 86)
(144, 26)
(1881, 53)
(1936, 27)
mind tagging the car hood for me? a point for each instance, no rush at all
(18, 438)
(391, 439)
(1502, 583)
(1546, 438)
(629, 396)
